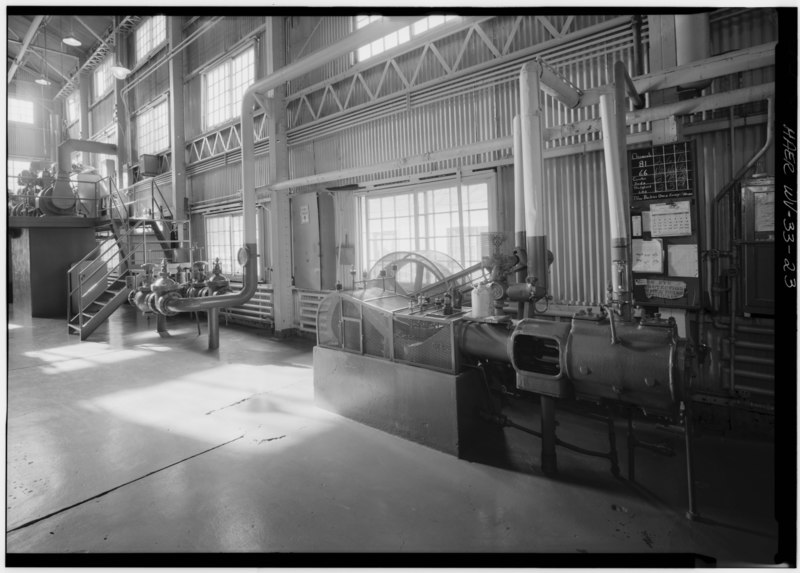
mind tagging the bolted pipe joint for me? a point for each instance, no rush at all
(161, 303)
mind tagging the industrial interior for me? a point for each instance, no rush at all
(415, 283)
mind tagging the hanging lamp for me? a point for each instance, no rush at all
(70, 39)
(42, 80)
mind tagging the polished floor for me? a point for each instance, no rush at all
(132, 443)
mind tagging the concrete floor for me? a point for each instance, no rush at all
(132, 443)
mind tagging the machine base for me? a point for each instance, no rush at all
(436, 409)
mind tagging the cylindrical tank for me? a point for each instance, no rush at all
(481, 302)
(643, 368)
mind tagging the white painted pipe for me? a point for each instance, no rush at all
(530, 118)
(519, 184)
(613, 161)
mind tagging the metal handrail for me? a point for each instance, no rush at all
(79, 288)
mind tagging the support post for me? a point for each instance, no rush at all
(213, 328)
(84, 112)
(177, 106)
(279, 212)
(549, 460)
(691, 513)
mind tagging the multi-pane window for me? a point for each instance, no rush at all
(446, 218)
(103, 80)
(20, 110)
(224, 85)
(398, 37)
(149, 36)
(224, 238)
(15, 167)
(73, 108)
(152, 129)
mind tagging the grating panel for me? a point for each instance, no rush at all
(423, 342)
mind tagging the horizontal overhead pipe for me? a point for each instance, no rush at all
(716, 66)
(66, 149)
(694, 105)
(263, 86)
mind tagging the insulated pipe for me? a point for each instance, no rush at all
(519, 207)
(533, 172)
(485, 341)
(302, 66)
(616, 200)
(65, 151)
(519, 185)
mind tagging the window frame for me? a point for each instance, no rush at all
(12, 116)
(416, 191)
(226, 61)
(409, 31)
(139, 117)
(74, 96)
(105, 66)
(234, 246)
(140, 59)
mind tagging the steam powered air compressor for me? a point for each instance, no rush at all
(409, 363)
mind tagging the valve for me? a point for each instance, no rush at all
(218, 283)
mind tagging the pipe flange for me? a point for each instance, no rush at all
(163, 301)
(150, 302)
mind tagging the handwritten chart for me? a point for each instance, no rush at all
(662, 172)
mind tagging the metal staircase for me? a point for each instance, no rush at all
(98, 283)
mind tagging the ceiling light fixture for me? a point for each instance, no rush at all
(120, 72)
(117, 69)
(71, 39)
(42, 80)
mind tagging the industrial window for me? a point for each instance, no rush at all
(149, 36)
(20, 110)
(398, 37)
(224, 238)
(73, 108)
(224, 85)
(448, 218)
(152, 129)
(103, 80)
(16, 167)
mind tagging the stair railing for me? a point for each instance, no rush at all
(99, 252)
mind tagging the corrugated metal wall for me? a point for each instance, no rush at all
(576, 216)
(101, 115)
(306, 35)
(575, 201)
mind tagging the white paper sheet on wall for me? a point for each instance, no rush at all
(765, 211)
(636, 226)
(682, 260)
(648, 256)
(670, 219)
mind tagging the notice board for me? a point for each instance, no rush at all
(664, 226)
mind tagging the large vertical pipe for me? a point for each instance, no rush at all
(533, 172)
(519, 185)
(617, 205)
(519, 206)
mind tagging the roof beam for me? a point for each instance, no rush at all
(45, 50)
(49, 65)
(92, 32)
(26, 41)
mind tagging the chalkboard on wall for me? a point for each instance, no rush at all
(662, 173)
